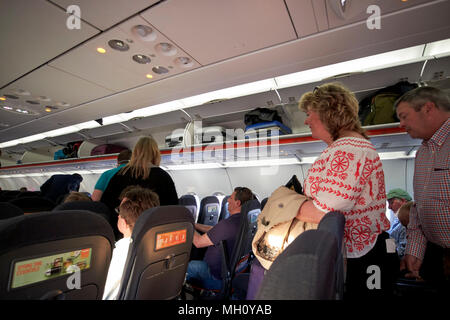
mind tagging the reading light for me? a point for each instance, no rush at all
(144, 33)
(118, 45)
(183, 62)
(101, 50)
(149, 76)
(166, 49)
(160, 70)
(140, 58)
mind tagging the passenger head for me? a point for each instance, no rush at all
(77, 177)
(135, 201)
(124, 157)
(23, 189)
(396, 198)
(76, 196)
(331, 108)
(145, 154)
(422, 111)
(237, 199)
(403, 213)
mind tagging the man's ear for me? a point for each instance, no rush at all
(429, 106)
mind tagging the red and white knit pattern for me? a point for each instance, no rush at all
(348, 177)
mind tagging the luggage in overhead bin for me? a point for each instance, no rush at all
(378, 108)
(59, 154)
(209, 135)
(266, 129)
(175, 139)
(106, 149)
(260, 115)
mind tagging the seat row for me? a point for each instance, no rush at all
(211, 209)
(40, 264)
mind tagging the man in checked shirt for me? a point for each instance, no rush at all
(424, 113)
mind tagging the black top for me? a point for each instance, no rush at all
(60, 184)
(158, 181)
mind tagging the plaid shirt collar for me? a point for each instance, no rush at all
(440, 135)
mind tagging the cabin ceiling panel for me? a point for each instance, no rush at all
(105, 13)
(308, 16)
(215, 30)
(48, 86)
(116, 69)
(11, 119)
(160, 120)
(27, 128)
(355, 11)
(36, 37)
(105, 131)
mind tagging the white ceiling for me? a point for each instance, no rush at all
(229, 43)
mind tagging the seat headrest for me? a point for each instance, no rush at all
(210, 199)
(188, 200)
(250, 205)
(94, 206)
(51, 226)
(8, 210)
(33, 203)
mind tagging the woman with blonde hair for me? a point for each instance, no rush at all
(348, 177)
(142, 170)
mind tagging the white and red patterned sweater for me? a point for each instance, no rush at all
(348, 177)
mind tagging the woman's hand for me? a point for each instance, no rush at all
(309, 213)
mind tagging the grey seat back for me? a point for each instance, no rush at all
(33, 204)
(39, 252)
(209, 211)
(309, 268)
(190, 202)
(8, 210)
(158, 255)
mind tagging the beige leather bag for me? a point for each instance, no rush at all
(277, 225)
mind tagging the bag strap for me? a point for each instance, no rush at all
(286, 237)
